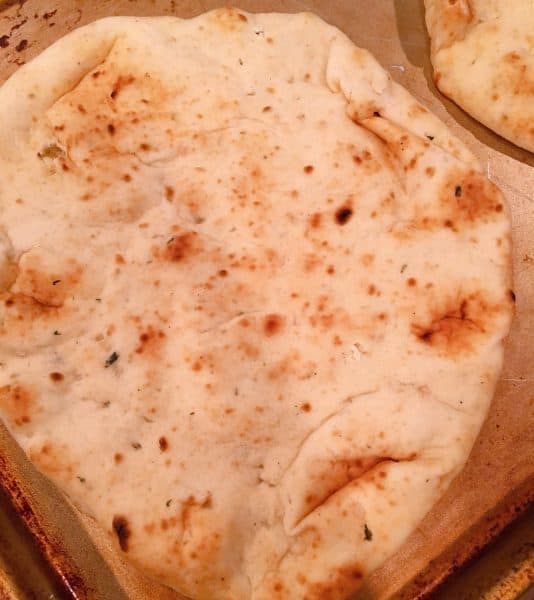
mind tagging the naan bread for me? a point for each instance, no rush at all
(483, 57)
(254, 297)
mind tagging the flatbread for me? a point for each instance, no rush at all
(483, 57)
(254, 296)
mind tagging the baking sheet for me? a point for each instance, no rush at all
(498, 481)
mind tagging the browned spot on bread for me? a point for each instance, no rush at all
(272, 324)
(228, 19)
(411, 282)
(45, 284)
(343, 214)
(179, 247)
(469, 198)
(150, 341)
(163, 443)
(512, 57)
(311, 262)
(53, 459)
(169, 193)
(306, 407)
(122, 530)
(453, 327)
(371, 290)
(518, 77)
(454, 21)
(8, 275)
(17, 403)
(308, 169)
(364, 110)
(191, 505)
(367, 259)
(315, 220)
(288, 365)
(342, 583)
(248, 349)
(111, 129)
(411, 164)
(149, 527)
(323, 321)
(118, 458)
(120, 83)
(56, 377)
(333, 475)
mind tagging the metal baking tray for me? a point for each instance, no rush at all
(59, 552)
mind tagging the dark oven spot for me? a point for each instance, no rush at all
(122, 529)
(343, 214)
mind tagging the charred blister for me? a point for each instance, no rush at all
(343, 214)
(454, 326)
(121, 527)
